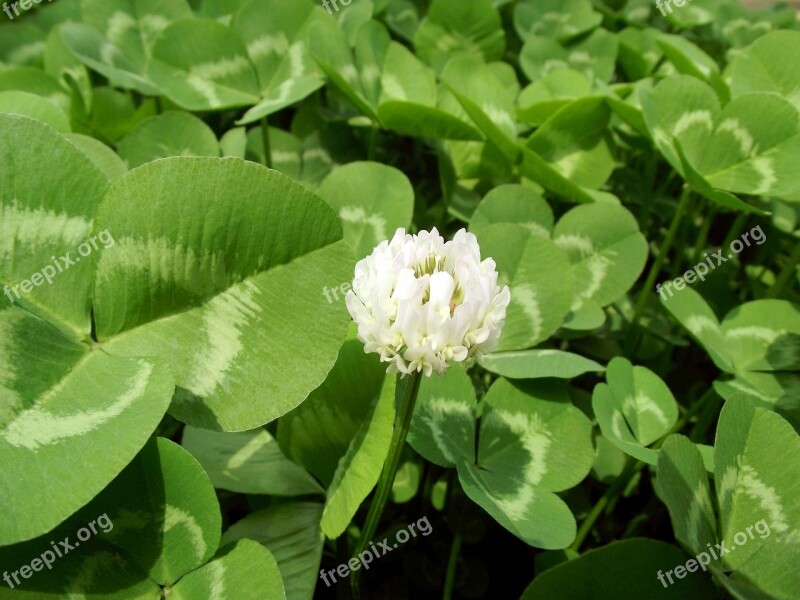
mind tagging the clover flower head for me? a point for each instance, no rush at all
(423, 303)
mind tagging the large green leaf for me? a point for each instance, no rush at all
(359, 469)
(534, 364)
(411, 102)
(241, 570)
(748, 147)
(597, 574)
(155, 523)
(453, 28)
(573, 141)
(767, 66)
(291, 533)
(117, 37)
(606, 249)
(63, 400)
(169, 134)
(249, 462)
(165, 512)
(756, 482)
(202, 65)
(372, 200)
(539, 275)
(47, 213)
(218, 299)
(514, 204)
(274, 33)
(554, 18)
(318, 433)
(532, 443)
(634, 409)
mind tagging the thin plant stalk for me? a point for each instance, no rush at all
(786, 273)
(452, 568)
(402, 423)
(647, 289)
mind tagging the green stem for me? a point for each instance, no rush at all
(452, 568)
(408, 387)
(736, 229)
(702, 239)
(786, 273)
(267, 146)
(615, 488)
(647, 290)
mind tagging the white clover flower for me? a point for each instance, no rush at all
(423, 303)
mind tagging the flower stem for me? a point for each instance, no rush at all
(407, 389)
(452, 568)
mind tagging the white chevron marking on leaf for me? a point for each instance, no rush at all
(225, 317)
(268, 44)
(225, 67)
(526, 297)
(535, 439)
(439, 410)
(205, 88)
(641, 404)
(699, 323)
(742, 135)
(39, 227)
(597, 266)
(176, 517)
(392, 88)
(699, 508)
(166, 262)
(27, 53)
(36, 427)
(692, 118)
(738, 385)
(356, 214)
(765, 168)
(297, 65)
(762, 333)
(118, 25)
(217, 584)
(575, 241)
(765, 495)
(727, 486)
